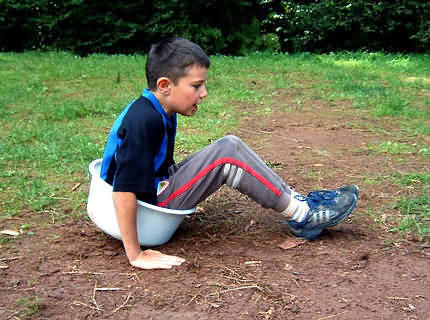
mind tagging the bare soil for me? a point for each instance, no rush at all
(242, 263)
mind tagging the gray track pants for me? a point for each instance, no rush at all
(226, 161)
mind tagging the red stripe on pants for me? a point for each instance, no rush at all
(212, 166)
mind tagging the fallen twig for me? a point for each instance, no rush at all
(397, 298)
(231, 271)
(234, 289)
(123, 305)
(192, 299)
(107, 289)
(19, 289)
(93, 299)
(331, 316)
(236, 279)
(83, 273)
(11, 258)
(76, 186)
(12, 233)
(78, 303)
(256, 131)
(59, 198)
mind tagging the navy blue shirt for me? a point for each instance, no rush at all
(132, 168)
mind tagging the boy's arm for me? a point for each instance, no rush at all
(126, 210)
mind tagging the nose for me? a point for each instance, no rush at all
(204, 92)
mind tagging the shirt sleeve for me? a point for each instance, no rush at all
(141, 137)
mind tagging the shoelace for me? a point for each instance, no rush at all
(314, 198)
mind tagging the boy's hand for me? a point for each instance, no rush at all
(126, 207)
(151, 259)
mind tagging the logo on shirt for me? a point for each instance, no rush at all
(162, 185)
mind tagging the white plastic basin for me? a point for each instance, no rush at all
(155, 225)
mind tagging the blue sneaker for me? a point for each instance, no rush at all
(327, 208)
(350, 188)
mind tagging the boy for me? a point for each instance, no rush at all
(138, 159)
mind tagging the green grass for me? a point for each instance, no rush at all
(29, 305)
(398, 148)
(56, 110)
(415, 210)
(416, 215)
(411, 179)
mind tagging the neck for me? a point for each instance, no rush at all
(162, 100)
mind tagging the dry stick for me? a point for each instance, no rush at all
(332, 316)
(78, 303)
(93, 299)
(397, 298)
(232, 271)
(76, 186)
(83, 273)
(192, 299)
(11, 258)
(258, 298)
(18, 289)
(107, 289)
(218, 284)
(13, 315)
(257, 131)
(123, 305)
(234, 289)
(236, 279)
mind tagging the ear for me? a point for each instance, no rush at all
(163, 85)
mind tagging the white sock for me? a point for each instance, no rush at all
(293, 193)
(296, 210)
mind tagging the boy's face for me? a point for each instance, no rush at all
(188, 92)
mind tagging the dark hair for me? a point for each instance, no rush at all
(171, 58)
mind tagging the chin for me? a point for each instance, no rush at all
(187, 114)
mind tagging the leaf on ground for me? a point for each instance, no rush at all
(10, 232)
(291, 243)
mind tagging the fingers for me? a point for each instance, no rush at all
(152, 259)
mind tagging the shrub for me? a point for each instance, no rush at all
(329, 25)
(228, 27)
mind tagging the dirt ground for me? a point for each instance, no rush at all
(242, 263)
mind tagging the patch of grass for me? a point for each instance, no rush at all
(374, 179)
(416, 127)
(397, 148)
(382, 84)
(416, 212)
(409, 179)
(29, 306)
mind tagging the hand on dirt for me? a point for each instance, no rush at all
(152, 259)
